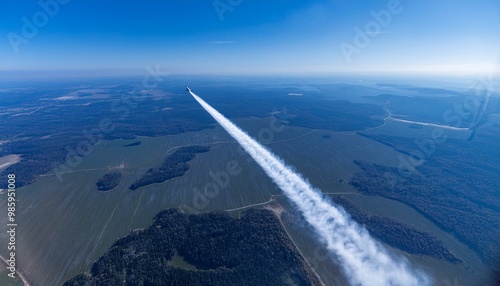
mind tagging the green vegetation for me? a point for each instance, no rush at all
(398, 234)
(108, 181)
(175, 165)
(251, 250)
(456, 187)
(133, 144)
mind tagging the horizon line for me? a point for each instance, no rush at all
(111, 72)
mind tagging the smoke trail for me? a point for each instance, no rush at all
(364, 261)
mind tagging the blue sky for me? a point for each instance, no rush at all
(251, 36)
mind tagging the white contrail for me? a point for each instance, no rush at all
(364, 261)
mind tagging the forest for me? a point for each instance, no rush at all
(137, 143)
(175, 165)
(456, 187)
(109, 181)
(251, 250)
(398, 234)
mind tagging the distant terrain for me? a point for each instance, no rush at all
(312, 111)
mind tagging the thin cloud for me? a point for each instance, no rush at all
(378, 33)
(220, 42)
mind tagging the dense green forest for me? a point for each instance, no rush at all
(137, 143)
(398, 234)
(456, 186)
(175, 165)
(108, 181)
(251, 250)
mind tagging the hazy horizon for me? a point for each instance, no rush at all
(251, 38)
